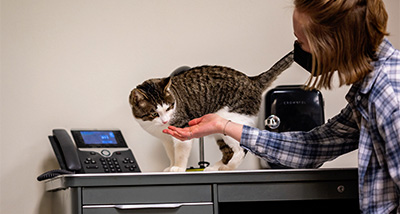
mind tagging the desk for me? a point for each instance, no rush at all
(272, 191)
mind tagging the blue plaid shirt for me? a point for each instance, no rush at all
(370, 122)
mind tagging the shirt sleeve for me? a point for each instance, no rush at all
(387, 141)
(305, 149)
(390, 131)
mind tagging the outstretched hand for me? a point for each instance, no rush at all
(199, 127)
(206, 125)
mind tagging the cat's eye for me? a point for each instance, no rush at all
(154, 114)
(170, 107)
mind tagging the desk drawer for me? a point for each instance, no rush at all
(146, 194)
(179, 208)
(288, 191)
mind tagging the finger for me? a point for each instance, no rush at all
(174, 134)
(183, 131)
(168, 131)
(173, 128)
(195, 121)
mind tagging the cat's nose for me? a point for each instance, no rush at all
(164, 122)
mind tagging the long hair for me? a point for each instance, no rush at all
(343, 36)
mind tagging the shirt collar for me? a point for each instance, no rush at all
(385, 50)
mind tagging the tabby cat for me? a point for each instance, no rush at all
(175, 100)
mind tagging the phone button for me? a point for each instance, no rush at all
(105, 153)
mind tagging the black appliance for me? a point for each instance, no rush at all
(293, 108)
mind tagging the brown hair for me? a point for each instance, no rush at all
(343, 35)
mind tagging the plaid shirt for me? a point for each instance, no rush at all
(370, 122)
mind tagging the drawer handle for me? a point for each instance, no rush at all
(148, 206)
(158, 206)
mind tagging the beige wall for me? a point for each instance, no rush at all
(72, 64)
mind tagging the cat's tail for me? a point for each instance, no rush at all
(265, 79)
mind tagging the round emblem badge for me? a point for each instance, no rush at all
(273, 122)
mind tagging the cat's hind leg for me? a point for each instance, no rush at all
(227, 152)
(232, 155)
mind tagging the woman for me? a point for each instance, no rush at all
(346, 36)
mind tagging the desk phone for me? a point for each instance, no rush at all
(96, 151)
(104, 151)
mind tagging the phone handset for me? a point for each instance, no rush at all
(66, 154)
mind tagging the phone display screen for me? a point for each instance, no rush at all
(101, 137)
(98, 138)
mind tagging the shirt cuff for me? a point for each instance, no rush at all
(249, 137)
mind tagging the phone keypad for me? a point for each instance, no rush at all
(130, 164)
(89, 161)
(120, 161)
(110, 165)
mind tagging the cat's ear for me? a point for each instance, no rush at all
(136, 95)
(167, 82)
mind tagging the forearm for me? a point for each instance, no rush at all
(294, 149)
(232, 129)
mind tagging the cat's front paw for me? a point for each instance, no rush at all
(224, 168)
(177, 169)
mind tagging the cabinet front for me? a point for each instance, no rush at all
(180, 208)
(148, 199)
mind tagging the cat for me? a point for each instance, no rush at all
(175, 100)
